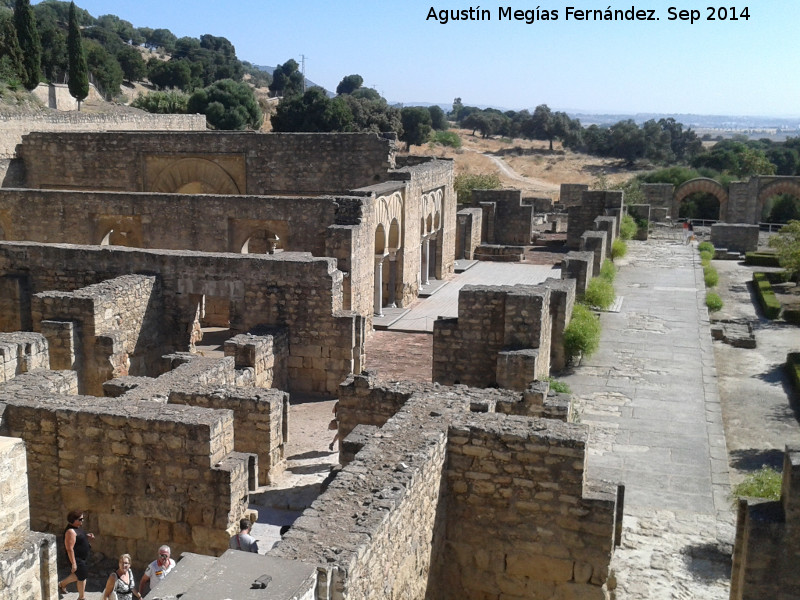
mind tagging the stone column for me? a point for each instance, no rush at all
(378, 300)
(392, 277)
(426, 248)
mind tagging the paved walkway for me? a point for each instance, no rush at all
(650, 397)
(444, 303)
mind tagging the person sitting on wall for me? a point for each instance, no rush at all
(243, 540)
(157, 570)
(76, 542)
(121, 582)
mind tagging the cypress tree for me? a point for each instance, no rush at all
(11, 65)
(76, 60)
(29, 42)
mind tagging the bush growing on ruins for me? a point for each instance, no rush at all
(466, 182)
(558, 386)
(787, 247)
(713, 301)
(628, 227)
(600, 293)
(618, 249)
(582, 335)
(710, 276)
(705, 258)
(608, 271)
(706, 247)
(764, 483)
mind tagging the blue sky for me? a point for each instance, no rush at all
(743, 67)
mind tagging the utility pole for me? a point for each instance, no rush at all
(303, 70)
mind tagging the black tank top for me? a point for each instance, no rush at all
(82, 546)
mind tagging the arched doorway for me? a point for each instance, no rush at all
(194, 176)
(695, 194)
(262, 241)
(779, 202)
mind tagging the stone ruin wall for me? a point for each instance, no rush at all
(735, 237)
(512, 220)
(593, 204)
(502, 336)
(432, 464)
(104, 330)
(767, 541)
(143, 472)
(292, 290)
(266, 164)
(571, 194)
(21, 352)
(208, 223)
(468, 234)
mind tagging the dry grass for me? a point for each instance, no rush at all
(534, 169)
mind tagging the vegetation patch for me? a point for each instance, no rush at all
(705, 258)
(713, 301)
(761, 259)
(706, 247)
(466, 182)
(600, 293)
(764, 483)
(628, 227)
(766, 296)
(558, 386)
(710, 276)
(618, 249)
(608, 271)
(447, 138)
(582, 335)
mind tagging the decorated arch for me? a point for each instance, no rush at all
(703, 185)
(194, 176)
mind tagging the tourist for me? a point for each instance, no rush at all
(157, 570)
(243, 540)
(121, 582)
(686, 232)
(334, 425)
(76, 542)
(691, 233)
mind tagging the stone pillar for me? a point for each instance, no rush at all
(392, 277)
(378, 308)
(426, 248)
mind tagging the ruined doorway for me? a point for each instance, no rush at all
(211, 326)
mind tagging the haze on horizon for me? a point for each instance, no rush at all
(720, 67)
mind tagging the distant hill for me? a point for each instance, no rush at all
(309, 83)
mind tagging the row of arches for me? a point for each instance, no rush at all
(713, 199)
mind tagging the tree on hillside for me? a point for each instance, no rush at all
(170, 74)
(787, 247)
(366, 94)
(161, 38)
(287, 80)
(12, 67)
(416, 125)
(227, 104)
(312, 112)
(29, 42)
(104, 69)
(169, 102)
(132, 64)
(373, 114)
(76, 60)
(349, 84)
(438, 118)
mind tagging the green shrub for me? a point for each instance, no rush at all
(713, 301)
(764, 483)
(466, 182)
(706, 247)
(447, 138)
(627, 227)
(766, 296)
(761, 259)
(710, 275)
(608, 271)
(600, 293)
(558, 386)
(582, 335)
(705, 257)
(618, 249)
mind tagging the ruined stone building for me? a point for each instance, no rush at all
(118, 248)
